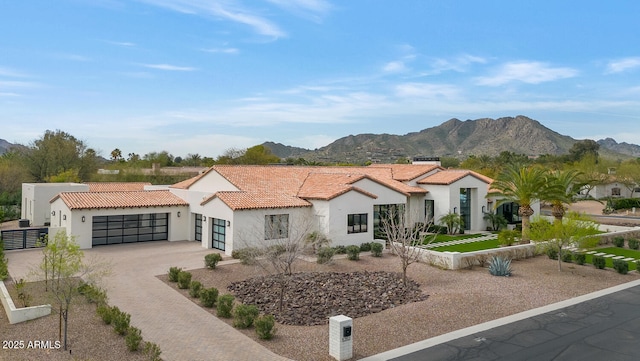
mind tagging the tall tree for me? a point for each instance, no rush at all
(56, 152)
(582, 148)
(116, 155)
(565, 187)
(524, 186)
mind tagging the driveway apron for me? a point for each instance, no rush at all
(182, 329)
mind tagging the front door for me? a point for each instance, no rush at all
(465, 207)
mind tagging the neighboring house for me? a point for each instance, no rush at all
(613, 189)
(232, 207)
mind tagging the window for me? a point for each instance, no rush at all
(219, 233)
(276, 226)
(615, 191)
(429, 211)
(357, 223)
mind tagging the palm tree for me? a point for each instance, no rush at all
(564, 192)
(522, 185)
(453, 221)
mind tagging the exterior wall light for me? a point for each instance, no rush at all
(455, 209)
(83, 219)
(53, 213)
(179, 214)
(64, 217)
(228, 223)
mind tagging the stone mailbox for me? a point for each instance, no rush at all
(341, 337)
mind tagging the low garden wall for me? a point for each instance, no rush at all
(17, 315)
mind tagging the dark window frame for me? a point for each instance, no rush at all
(357, 223)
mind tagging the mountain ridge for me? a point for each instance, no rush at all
(454, 138)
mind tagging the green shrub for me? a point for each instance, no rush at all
(624, 203)
(365, 247)
(173, 274)
(638, 266)
(152, 351)
(211, 260)
(618, 241)
(598, 261)
(120, 321)
(567, 257)
(225, 305)
(4, 263)
(340, 249)
(353, 253)
(209, 296)
(106, 313)
(507, 237)
(621, 266)
(184, 279)
(265, 327)
(325, 255)
(499, 266)
(93, 294)
(579, 258)
(376, 249)
(133, 338)
(244, 315)
(194, 289)
(246, 255)
(633, 243)
(552, 253)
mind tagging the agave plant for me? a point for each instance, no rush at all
(499, 266)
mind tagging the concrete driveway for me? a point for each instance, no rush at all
(182, 329)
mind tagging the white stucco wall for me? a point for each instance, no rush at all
(248, 230)
(71, 220)
(217, 209)
(36, 197)
(339, 209)
(212, 182)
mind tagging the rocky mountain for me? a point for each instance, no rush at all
(453, 138)
(623, 148)
(5, 146)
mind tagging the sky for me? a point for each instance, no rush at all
(204, 76)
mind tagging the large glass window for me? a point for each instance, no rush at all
(198, 228)
(465, 207)
(381, 211)
(219, 232)
(357, 223)
(429, 210)
(276, 226)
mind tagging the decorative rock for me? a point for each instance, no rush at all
(311, 298)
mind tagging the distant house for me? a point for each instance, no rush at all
(232, 207)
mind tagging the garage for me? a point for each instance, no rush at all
(129, 228)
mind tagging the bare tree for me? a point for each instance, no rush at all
(404, 238)
(65, 270)
(281, 242)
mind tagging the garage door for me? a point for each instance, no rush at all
(130, 228)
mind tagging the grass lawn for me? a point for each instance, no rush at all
(446, 237)
(469, 247)
(627, 253)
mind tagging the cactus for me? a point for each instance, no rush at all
(499, 266)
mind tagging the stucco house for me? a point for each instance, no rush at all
(232, 207)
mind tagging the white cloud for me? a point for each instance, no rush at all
(530, 72)
(121, 43)
(425, 90)
(395, 67)
(225, 9)
(11, 73)
(169, 67)
(72, 57)
(622, 65)
(311, 9)
(459, 64)
(222, 50)
(18, 84)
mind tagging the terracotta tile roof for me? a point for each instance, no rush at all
(116, 186)
(128, 199)
(407, 172)
(327, 186)
(239, 200)
(449, 176)
(289, 186)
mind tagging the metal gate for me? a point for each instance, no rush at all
(24, 238)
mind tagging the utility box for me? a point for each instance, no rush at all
(341, 337)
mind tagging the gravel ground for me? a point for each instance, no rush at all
(457, 299)
(88, 337)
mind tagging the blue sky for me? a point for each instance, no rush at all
(198, 76)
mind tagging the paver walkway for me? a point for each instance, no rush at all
(182, 329)
(481, 238)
